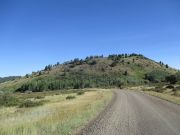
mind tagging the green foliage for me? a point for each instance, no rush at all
(80, 93)
(72, 81)
(156, 76)
(126, 73)
(171, 79)
(39, 97)
(170, 87)
(29, 103)
(27, 75)
(159, 89)
(178, 76)
(40, 73)
(133, 60)
(115, 70)
(70, 97)
(119, 56)
(48, 68)
(93, 62)
(161, 63)
(7, 100)
(79, 80)
(114, 63)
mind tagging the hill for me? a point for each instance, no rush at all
(9, 78)
(94, 71)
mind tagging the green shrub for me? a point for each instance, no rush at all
(70, 97)
(29, 103)
(145, 89)
(7, 100)
(170, 87)
(93, 62)
(114, 63)
(159, 89)
(172, 79)
(178, 82)
(156, 76)
(39, 97)
(80, 93)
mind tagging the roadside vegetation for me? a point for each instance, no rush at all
(167, 92)
(162, 84)
(167, 87)
(51, 113)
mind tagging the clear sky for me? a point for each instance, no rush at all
(34, 33)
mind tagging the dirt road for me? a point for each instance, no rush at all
(135, 113)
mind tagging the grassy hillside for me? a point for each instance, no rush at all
(94, 71)
(9, 78)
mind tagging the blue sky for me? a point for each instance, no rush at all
(34, 33)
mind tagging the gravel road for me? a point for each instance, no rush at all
(135, 113)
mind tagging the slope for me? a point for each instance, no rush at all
(93, 71)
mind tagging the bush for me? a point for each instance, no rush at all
(70, 97)
(156, 76)
(171, 79)
(145, 89)
(170, 87)
(39, 97)
(7, 100)
(93, 62)
(29, 103)
(80, 93)
(114, 63)
(159, 89)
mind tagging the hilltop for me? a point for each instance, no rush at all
(94, 71)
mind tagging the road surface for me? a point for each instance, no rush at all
(135, 113)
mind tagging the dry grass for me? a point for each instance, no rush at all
(58, 117)
(13, 85)
(165, 96)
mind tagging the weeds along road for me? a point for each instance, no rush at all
(135, 113)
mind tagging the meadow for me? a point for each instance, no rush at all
(59, 113)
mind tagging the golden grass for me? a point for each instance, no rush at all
(165, 96)
(58, 117)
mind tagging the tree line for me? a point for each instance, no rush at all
(78, 81)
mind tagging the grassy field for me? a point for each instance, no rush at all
(58, 116)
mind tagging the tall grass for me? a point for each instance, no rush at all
(58, 117)
(165, 96)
